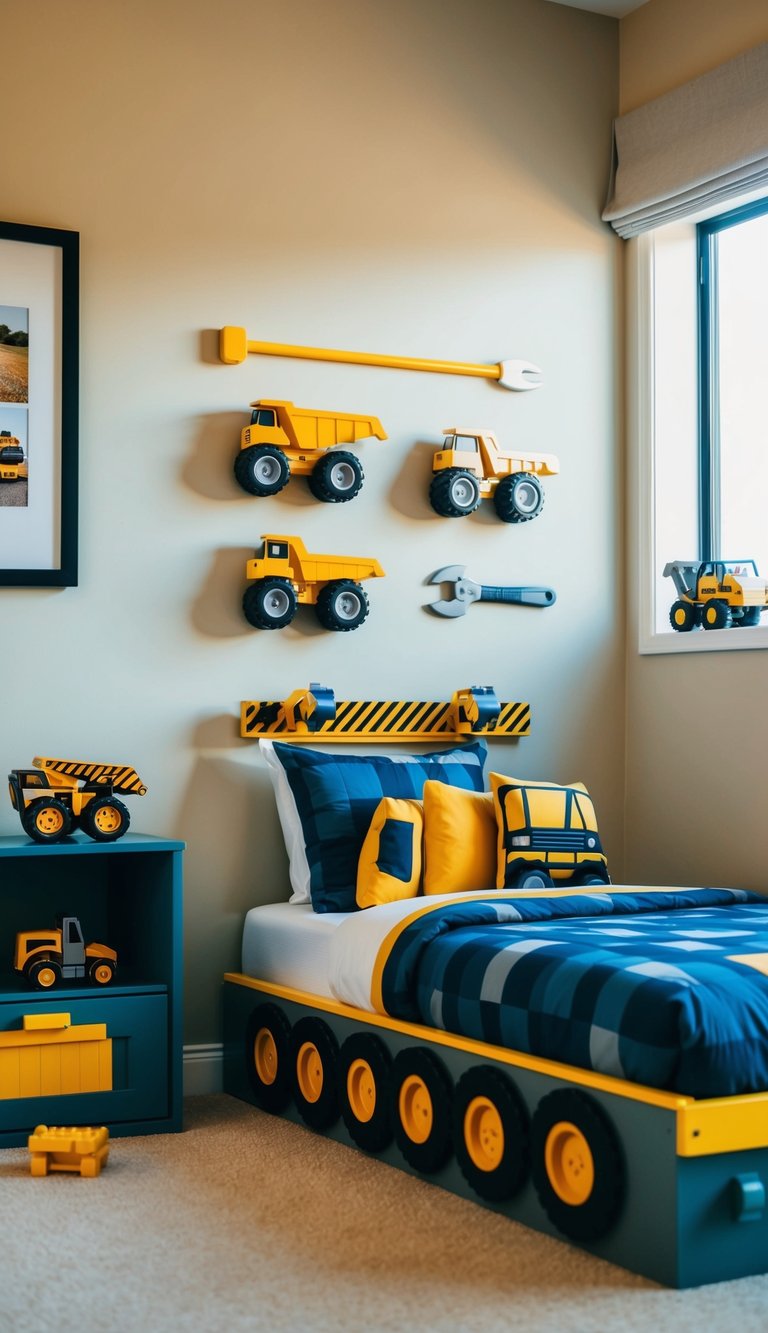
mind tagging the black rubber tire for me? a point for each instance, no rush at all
(89, 819)
(11, 455)
(321, 1110)
(33, 970)
(508, 1176)
(531, 877)
(683, 617)
(375, 1133)
(715, 614)
(342, 593)
(434, 1150)
(270, 603)
(751, 616)
(519, 498)
(447, 490)
(598, 1213)
(594, 875)
(262, 469)
(337, 477)
(269, 1023)
(34, 812)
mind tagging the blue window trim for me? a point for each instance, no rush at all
(709, 379)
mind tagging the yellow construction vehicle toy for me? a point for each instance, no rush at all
(282, 439)
(548, 834)
(286, 574)
(66, 794)
(471, 467)
(80, 1148)
(716, 594)
(46, 957)
(12, 463)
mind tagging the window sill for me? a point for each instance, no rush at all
(705, 641)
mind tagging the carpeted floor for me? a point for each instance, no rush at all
(249, 1222)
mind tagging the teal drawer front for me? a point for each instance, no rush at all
(137, 1024)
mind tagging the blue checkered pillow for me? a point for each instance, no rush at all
(326, 803)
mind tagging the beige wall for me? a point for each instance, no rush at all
(696, 734)
(419, 178)
(668, 42)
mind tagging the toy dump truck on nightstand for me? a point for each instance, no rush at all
(46, 957)
(286, 574)
(66, 794)
(471, 467)
(12, 464)
(79, 1148)
(282, 439)
(716, 594)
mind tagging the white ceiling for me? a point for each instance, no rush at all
(616, 8)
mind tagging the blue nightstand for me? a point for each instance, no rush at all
(125, 1039)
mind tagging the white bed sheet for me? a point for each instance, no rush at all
(290, 944)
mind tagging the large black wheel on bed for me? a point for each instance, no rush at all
(421, 1098)
(314, 1060)
(490, 1133)
(365, 1069)
(267, 1045)
(577, 1164)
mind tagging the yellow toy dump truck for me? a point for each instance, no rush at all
(79, 1148)
(12, 464)
(46, 957)
(282, 439)
(66, 794)
(471, 467)
(716, 594)
(548, 834)
(286, 574)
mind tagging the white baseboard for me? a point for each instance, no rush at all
(202, 1069)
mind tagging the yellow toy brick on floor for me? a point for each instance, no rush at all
(79, 1148)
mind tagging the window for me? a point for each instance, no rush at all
(699, 418)
(263, 416)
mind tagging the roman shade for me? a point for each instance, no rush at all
(692, 148)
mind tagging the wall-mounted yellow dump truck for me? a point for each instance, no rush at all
(12, 463)
(59, 795)
(282, 439)
(286, 574)
(471, 467)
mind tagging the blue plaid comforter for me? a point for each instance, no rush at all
(665, 989)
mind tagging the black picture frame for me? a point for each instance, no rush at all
(40, 547)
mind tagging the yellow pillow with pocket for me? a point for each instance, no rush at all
(547, 834)
(459, 839)
(389, 866)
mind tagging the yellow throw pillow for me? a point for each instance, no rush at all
(389, 867)
(546, 834)
(459, 839)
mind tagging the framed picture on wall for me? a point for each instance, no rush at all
(39, 360)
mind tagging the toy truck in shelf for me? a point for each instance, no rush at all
(46, 957)
(12, 464)
(286, 574)
(59, 795)
(80, 1148)
(282, 439)
(716, 594)
(471, 467)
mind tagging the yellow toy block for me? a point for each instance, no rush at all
(79, 1148)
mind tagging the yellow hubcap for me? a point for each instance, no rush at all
(309, 1069)
(361, 1090)
(680, 616)
(103, 974)
(415, 1107)
(483, 1134)
(569, 1162)
(49, 820)
(46, 977)
(265, 1056)
(107, 819)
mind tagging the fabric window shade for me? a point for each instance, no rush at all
(692, 148)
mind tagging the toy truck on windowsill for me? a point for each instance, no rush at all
(716, 594)
(282, 439)
(471, 467)
(286, 574)
(12, 464)
(46, 957)
(66, 794)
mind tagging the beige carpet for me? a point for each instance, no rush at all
(248, 1222)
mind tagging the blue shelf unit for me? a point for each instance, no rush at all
(128, 895)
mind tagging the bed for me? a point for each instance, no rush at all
(590, 1060)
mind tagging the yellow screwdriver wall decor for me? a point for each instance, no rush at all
(234, 346)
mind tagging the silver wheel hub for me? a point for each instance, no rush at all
(526, 496)
(276, 603)
(267, 470)
(347, 605)
(462, 493)
(342, 476)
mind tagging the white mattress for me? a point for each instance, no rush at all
(290, 945)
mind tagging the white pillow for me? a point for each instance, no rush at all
(290, 823)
